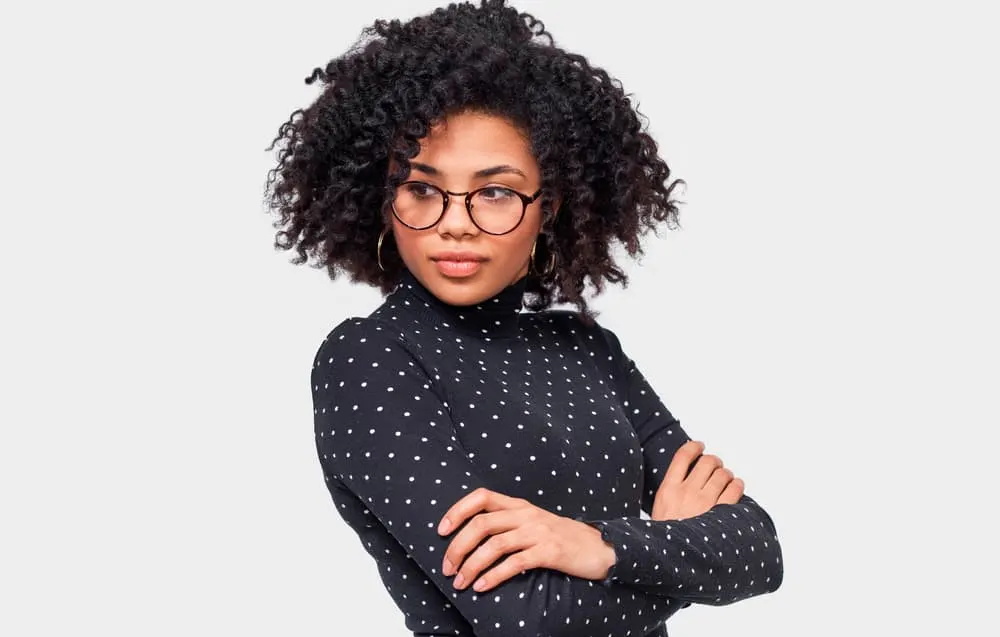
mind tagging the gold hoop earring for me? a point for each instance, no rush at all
(378, 250)
(549, 267)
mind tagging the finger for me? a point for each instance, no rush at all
(493, 549)
(720, 479)
(481, 527)
(515, 564)
(703, 470)
(682, 460)
(482, 499)
(732, 493)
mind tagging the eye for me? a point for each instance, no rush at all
(419, 189)
(496, 193)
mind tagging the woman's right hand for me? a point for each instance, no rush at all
(684, 495)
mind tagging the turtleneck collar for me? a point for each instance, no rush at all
(495, 317)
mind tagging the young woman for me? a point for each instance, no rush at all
(494, 462)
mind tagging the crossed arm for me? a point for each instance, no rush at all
(726, 554)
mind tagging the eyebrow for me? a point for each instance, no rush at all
(485, 172)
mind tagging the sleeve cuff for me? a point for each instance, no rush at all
(635, 562)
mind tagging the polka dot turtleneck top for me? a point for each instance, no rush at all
(422, 402)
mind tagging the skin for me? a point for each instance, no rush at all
(449, 157)
(684, 494)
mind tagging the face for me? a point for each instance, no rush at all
(450, 157)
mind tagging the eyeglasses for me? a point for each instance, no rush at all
(494, 209)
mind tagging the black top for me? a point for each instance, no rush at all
(423, 402)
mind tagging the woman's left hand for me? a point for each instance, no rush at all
(533, 537)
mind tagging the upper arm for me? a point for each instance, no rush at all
(659, 432)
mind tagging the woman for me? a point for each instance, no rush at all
(495, 462)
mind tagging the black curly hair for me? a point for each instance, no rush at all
(331, 186)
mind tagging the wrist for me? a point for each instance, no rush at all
(609, 556)
(604, 550)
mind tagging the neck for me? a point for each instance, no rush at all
(495, 317)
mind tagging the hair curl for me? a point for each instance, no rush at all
(331, 184)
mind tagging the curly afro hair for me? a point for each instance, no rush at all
(331, 186)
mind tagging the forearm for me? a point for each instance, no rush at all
(727, 554)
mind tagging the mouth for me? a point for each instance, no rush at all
(458, 265)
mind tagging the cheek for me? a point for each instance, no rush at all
(518, 247)
(410, 244)
(514, 250)
(407, 240)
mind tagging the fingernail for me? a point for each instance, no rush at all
(446, 569)
(444, 527)
(479, 585)
(459, 580)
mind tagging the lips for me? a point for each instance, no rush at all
(458, 257)
(457, 264)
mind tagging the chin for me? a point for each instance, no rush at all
(468, 290)
(458, 291)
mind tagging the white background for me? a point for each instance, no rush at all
(826, 319)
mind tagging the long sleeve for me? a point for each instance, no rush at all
(728, 553)
(384, 433)
(428, 613)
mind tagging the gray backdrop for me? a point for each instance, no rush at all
(830, 328)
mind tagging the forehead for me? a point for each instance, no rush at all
(470, 141)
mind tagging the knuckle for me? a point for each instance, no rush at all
(497, 544)
(517, 563)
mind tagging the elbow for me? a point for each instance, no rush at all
(774, 573)
(554, 628)
(772, 578)
(777, 575)
(554, 624)
(533, 626)
(766, 580)
(738, 593)
(529, 621)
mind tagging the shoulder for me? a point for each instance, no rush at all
(359, 344)
(591, 335)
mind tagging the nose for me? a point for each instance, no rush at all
(456, 220)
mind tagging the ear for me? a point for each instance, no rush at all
(556, 206)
